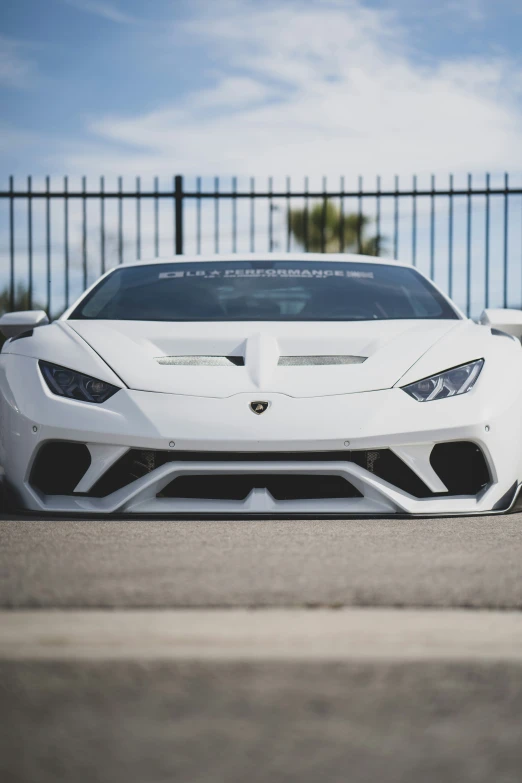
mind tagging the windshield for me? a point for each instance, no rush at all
(263, 291)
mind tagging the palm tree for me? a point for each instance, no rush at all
(324, 228)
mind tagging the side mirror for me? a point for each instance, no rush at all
(13, 324)
(509, 321)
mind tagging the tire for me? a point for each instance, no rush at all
(6, 506)
(3, 503)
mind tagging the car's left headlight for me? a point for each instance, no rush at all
(458, 380)
(76, 385)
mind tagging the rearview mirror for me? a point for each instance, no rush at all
(509, 321)
(13, 324)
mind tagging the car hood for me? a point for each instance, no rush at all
(301, 359)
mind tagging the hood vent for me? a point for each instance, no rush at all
(307, 361)
(202, 361)
(238, 361)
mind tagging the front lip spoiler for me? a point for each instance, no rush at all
(511, 508)
(512, 505)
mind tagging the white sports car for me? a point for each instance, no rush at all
(275, 384)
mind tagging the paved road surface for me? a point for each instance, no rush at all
(443, 563)
(333, 687)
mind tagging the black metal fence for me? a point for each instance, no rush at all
(56, 237)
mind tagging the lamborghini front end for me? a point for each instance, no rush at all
(309, 385)
(373, 453)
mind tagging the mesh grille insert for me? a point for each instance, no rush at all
(238, 361)
(202, 361)
(307, 361)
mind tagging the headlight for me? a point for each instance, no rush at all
(459, 380)
(76, 385)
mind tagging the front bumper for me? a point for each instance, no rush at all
(389, 419)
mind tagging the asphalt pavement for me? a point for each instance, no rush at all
(453, 562)
(150, 651)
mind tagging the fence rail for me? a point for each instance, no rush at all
(449, 231)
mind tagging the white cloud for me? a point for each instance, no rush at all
(325, 88)
(16, 69)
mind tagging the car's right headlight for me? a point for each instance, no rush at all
(449, 383)
(75, 385)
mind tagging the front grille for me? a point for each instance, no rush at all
(382, 462)
(228, 486)
(59, 466)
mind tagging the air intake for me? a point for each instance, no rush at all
(281, 487)
(307, 361)
(59, 466)
(202, 361)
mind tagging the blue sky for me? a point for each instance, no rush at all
(259, 87)
(243, 86)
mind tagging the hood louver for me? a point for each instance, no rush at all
(307, 361)
(202, 361)
(238, 361)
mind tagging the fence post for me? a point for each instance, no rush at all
(11, 246)
(178, 194)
